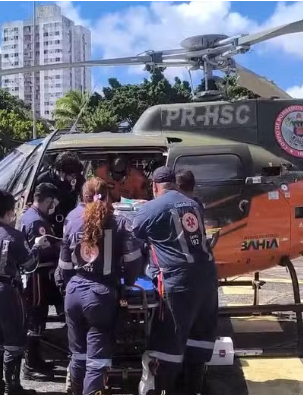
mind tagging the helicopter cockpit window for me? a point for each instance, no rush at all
(21, 181)
(9, 168)
(212, 168)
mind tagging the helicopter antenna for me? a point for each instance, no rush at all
(191, 82)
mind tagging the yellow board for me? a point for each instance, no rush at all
(273, 376)
(237, 290)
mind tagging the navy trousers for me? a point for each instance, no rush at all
(183, 329)
(12, 323)
(91, 310)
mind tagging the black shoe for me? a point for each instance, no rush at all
(35, 374)
(195, 379)
(19, 390)
(43, 365)
(2, 387)
(33, 359)
(12, 378)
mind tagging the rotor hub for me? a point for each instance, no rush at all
(206, 41)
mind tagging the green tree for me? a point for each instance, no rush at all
(234, 91)
(119, 103)
(16, 128)
(12, 103)
(100, 119)
(128, 102)
(229, 85)
(70, 108)
(95, 100)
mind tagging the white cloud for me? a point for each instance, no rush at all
(163, 25)
(73, 12)
(296, 92)
(286, 13)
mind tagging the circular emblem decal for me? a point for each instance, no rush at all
(42, 231)
(190, 222)
(59, 218)
(289, 130)
(89, 254)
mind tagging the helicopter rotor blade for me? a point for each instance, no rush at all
(258, 84)
(152, 58)
(250, 39)
(134, 60)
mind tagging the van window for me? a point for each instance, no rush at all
(12, 164)
(21, 181)
(208, 168)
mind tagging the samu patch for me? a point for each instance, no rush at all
(190, 222)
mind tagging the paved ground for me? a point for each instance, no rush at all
(265, 335)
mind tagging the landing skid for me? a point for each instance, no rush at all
(268, 309)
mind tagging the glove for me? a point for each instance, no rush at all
(42, 242)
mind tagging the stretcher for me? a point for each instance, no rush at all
(138, 305)
(142, 295)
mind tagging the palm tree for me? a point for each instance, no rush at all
(101, 119)
(70, 108)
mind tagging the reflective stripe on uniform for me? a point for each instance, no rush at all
(74, 258)
(65, 265)
(132, 256)
(180, 236)
(200, 344)
(165, 357)
(3, 256)
(79, 357)
(205, 249)
(13, 348)
(98, 363)
(108, 245)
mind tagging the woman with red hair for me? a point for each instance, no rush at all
(99, 247)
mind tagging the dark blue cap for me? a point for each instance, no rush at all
(163, 174)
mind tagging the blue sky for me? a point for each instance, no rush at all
(128, 28)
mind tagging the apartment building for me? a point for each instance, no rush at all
(56, 40)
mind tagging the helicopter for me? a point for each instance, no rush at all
(245, 155)
(251, 188)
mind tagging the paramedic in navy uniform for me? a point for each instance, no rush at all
(66, 175)
(41, 290)
(14, 255)
(98, 246)
(63, 276)
(183, 267)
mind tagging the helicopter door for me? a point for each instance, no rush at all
(220, 180)
(24, 182)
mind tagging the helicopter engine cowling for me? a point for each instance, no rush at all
(271, 227)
